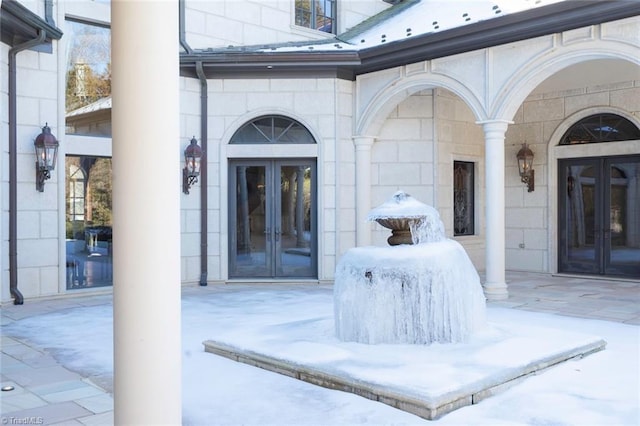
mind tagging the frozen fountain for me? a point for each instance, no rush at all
(422, 289)
(398, 303)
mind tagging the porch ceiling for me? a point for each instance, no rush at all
(589, 74)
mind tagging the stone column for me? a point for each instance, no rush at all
(146, 212)
(363, 146)
(495, 286)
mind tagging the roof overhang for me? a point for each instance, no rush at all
(555, 18)
(18, 25)
(347, 64)
(269, 65)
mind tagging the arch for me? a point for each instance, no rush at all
(594, 129)
(241, 120)
(520, 86)
(375, 113)
(569, 121)
(272, 129)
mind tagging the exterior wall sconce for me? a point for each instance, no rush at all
(525, 166)
(191, 171)
(46, 156)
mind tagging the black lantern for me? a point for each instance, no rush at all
(191, 171)
(525, 166)
(46, 156)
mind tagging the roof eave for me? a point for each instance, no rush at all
(271, 64)
(556, 18)
(19, 24)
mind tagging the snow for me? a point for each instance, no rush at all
(403, 205)
(432, 16)
(424, 292)
(424, 17)
(421, 293)
(601, 389)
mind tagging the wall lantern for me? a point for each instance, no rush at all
(46, 156)
(525, 166)
(191, 171)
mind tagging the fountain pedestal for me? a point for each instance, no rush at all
(416, 294)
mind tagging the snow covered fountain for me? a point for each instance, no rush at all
(422, 289)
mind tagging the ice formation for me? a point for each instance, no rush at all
(418, 294)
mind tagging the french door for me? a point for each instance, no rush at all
(272, 219)
(599, 216)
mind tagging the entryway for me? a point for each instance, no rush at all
(272, 218)
(599, 216)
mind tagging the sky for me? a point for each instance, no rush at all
(600, 389)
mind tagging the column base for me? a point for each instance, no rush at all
(495, 291)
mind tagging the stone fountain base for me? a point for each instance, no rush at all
(428, 381)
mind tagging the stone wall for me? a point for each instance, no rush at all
(257, 22)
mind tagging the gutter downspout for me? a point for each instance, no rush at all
(48, 12)
(18, 299)
(204, 224)
(203, 174)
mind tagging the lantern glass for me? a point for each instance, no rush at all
(46, 146)
(525, 160)
(192, 156)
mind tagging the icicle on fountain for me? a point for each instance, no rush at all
(422, 289)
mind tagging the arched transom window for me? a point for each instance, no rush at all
(272, 129)
(601, 128)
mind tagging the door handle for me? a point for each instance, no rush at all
(277, 234)
(267, 232)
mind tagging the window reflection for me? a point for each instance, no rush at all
(88, 79)
(88, 222)
(316, 14)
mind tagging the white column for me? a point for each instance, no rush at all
(146, 212)
(495, 286)
(363, 146)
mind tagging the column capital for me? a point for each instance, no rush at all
(496, 125)
(363, 142)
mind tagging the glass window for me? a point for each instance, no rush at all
(88, 222)
(272, 130)
(316, 14)
(601, 128)
(463, 198)
(88, 82)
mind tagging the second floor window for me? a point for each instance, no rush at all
(316, 14)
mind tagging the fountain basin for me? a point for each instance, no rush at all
(416, 294)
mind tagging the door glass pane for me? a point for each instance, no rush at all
(581, 215)
(251, 249)
(88, 222)
(622, 236)
(294, 227)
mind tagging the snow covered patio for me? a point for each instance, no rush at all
(57, 354)
(426, 380)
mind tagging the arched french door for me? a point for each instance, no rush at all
(599, 203)
(272, 205)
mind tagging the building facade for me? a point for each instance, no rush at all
(311, 116)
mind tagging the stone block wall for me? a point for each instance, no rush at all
(38, 243)
(323, 106)
(256, 22)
